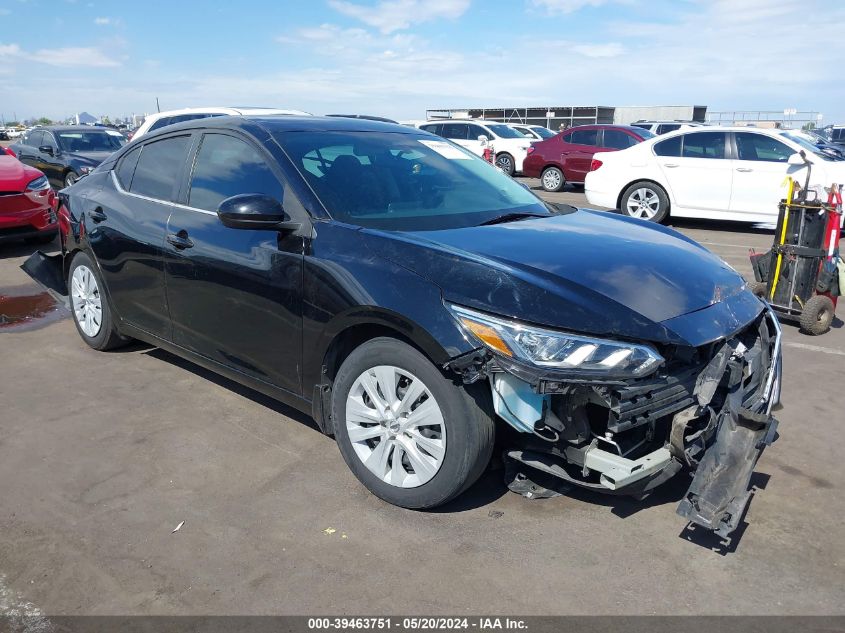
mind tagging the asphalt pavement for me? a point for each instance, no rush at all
(103, 455)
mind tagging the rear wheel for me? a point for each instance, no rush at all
(92, 314)
(412, 437)
(817, 315)
(505, 162)
(646, 201)
(552, 179)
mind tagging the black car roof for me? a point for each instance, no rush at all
(289, 123)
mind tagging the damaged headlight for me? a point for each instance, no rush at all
(559, 350)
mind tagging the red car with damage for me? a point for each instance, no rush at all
(27, 203)
(566, 157)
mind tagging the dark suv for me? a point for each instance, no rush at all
(566, 157)
(66, 153)
(415, 301)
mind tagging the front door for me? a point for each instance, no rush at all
(760, 169)
(577, 153)
(235, 295)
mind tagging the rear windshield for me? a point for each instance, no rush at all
(404, 182)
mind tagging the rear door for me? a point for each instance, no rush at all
(701, 176)
(760, 167)
(235, 295)
(126, 224)
(577, 152)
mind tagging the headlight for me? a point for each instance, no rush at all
(39, 184)
(569, 353)
(84, 171)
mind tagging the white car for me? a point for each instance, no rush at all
(533, 132)
(160, 119)
(510, 146)
(730, 173)
(664, 127)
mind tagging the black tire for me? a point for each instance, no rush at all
(552, 179)
(760, 289)
(467, 417)
(653, 192)
(41, 239)
(817, 315)
(107, 337)
(70, 178)
(506, 163)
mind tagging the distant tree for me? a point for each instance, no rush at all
(44, 121)
(809, 125)
(105, 120)
(13, 123)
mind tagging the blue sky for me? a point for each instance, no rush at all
(399, 57)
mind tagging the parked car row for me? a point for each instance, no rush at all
(510, 146)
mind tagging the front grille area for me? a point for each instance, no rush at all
(647, 400)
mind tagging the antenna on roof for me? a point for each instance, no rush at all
(158, 109)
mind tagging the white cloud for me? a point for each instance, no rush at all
(4, 11)
(611, 49)
(394, 15)
(73, 57)
(102, 21)
(567, 6)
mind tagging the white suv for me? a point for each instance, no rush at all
(509, 146)
(160, 119)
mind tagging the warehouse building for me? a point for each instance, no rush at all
(553, 117)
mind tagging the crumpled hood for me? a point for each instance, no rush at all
(586, 271)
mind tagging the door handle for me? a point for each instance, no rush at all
(670, 165)
(97, 215)
(744, 169)
(180, 240)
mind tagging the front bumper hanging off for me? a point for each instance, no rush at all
(717, 418)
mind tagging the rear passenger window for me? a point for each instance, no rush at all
(669, 147)
(583, 137)
(433, 128)
(616, 139)
(455, 131)
(159, 166)
(704, 145)
(668, 127)
(126, 168)
(227, 166)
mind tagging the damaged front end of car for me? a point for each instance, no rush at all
(624, 417)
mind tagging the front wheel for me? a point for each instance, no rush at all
(92, 314)
(552, 179)
(70, 178)
(646, 201)
(412, 437)
(505, 162)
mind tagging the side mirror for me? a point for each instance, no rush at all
(484, 140)
(799, 158)
(46, 149)
(254, 211)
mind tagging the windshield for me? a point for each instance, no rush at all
(404, 182)
(644, 133)
(544, 132)
(91, 141)
(806, 145)
(504, 131)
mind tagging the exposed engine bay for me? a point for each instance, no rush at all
(706, 410)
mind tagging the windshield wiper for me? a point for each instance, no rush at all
(511, 217)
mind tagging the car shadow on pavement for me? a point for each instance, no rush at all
(10, 250)
(231, 385)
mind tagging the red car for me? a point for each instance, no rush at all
(27, 203)
(566, 157)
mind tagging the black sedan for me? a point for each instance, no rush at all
(415, 301)
(66, 153)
